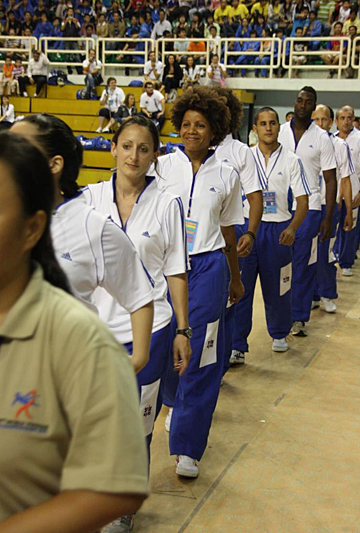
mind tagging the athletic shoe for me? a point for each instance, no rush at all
(99, 130)
(168, 419)
(347, 272)
(237, 358)
(315, 304)
(280, 345)
(299, 329)
(26, 94)
(329, 305)
(35, 95)
(186, 466)
(121, 525)
(222, 382)
(106, 130)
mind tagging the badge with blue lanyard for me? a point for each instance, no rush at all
(269, 197)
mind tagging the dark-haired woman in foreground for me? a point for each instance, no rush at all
(90, 248)
(64, 380)
(210, 191)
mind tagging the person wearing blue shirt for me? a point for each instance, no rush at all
(145, 28)
(43, 28)
(244, 29)
(313, 28)
(254, 46)
(263, 58)
(259, 25)
(301, 21)
(21, 9)
(155, 12)
(134, 25)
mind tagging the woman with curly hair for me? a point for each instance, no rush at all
(210, 191)
(239, 155)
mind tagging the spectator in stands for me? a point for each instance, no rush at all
(152, 105)
(91, 69)
(343, 11)
(181, 46)
(275, 11)
(117, 28)
(136, 6)
(215, 44)
(28, 23)
(191, 74)
(57, 45)
(253, 137)
(18, 71)
(166, 46)
(259, 25)
(44, 28)
(155, 11)
(238, 12)
(153, 70)
(172, 10)
(334, 46)
(39, 10)
(12, 24)
(11, 44)
(223, 18)
(185, 6)
(127, 109)
(36, 73)
(356, 123)
(71, 28)
(263, 59)
(145, 27)
(313, 28)
(260, 8)
(301, 21)
(286, 17)
(243, 29)
(7, 112)
(211, 22)
(60, 10)
(99, 8)
(134, 25)
(87, 22)
(299, 46)
(289, 115)
(26, 44)
(325, 10)
(197, 24)
(197, 46)
(22, 7)
(86, 9)
(353, 21)
(253, 46)
(350, 72)
(171, 78)
(112, 97)
(216, 72)
(160, 26)
(7, 77)
(181, 24)
(102, 27)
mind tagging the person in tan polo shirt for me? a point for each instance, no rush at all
(72, 445)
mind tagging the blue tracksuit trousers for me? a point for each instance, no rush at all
(325, 283)
(199, 387)
(267, 259)
(304, 274)
(151, 378)
(346, 242)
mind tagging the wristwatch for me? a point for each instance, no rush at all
(188, 332)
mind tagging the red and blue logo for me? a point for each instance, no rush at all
(27, 401)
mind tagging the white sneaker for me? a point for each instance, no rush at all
(186, 466)
(106, 130)
(280, 345)
(299, 329)
(26, 94)
(168, 419)
(347, 272)
(237, 358)
(35, 95)
(99, 130)
(315, 304)
(329, 305)
(121, 525)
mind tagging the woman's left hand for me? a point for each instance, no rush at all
(182, 353)
(236, 290)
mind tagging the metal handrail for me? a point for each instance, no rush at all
(308, 53)
(208, 49)
(272, 65)
(88, 41)
(355, 65)
(33, 44)
(101, 47)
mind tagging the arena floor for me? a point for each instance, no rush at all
(284, 446)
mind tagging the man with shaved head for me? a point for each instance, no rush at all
(347, 242)
(325, 289)
(312, 144)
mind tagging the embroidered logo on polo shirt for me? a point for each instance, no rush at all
(146, 234)
(25, 411)
(67, 256)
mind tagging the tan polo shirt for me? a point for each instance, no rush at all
(69, 406)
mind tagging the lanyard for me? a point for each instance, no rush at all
(272, 168)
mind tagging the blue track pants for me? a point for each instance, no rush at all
(325, 283)
(346, 242)
(199, 387)
(304, 266)
(272, 262)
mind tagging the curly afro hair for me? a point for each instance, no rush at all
(235, 108)
(207, 102)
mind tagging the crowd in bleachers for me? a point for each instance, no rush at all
(186, 22)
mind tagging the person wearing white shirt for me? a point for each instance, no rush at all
(210, 191)
(7, 111)
(239, 156)
(216, 72)
(309, 142)
(37, 71)
(112, 97)
(161, 26)
(152, 105)
(154, 221)
(325, 288)
(347, 242)
(91, 69)
(90, 248)
(153, 69)
(271, 256)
